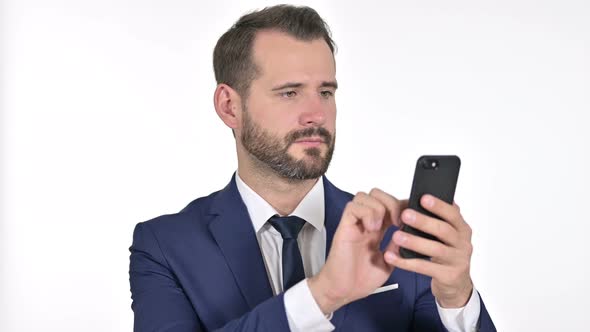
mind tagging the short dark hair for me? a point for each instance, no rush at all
(232, 56)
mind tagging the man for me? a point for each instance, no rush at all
(281, 248)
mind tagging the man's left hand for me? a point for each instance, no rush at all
(450, 263)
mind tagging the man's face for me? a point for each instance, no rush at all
(288, 120)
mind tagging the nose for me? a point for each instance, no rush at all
(314, 113)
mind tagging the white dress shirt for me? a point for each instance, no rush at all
(303, 313)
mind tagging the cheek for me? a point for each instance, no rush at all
(331, 120)
(276, 123)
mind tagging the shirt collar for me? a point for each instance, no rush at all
(311, 208)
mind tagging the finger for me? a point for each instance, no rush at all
(444, 210)
(421, 266)
(438, 251)
(442, 230)
(393, 206)
(356, 214)
(392, 247)
(465, 228)
(377, 208)
(404, 203)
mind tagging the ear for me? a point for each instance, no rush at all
(228, 105)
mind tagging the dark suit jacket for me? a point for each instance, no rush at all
(202, 270)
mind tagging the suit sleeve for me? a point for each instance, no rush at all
(485, 323)
(160, 304)
(426, 317)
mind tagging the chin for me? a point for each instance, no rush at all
(311, 153)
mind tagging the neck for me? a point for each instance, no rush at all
(282, 194)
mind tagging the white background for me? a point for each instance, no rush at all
(107, 120)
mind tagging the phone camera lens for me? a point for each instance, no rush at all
(430, 164)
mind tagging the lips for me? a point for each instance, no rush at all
(312, 136)
(310, 140)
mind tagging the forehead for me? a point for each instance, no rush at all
(280, 56)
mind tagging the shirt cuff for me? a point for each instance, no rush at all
(461, 319)
(303, 313)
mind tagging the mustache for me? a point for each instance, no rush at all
(310, 132)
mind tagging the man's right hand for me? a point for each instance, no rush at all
(356, 266)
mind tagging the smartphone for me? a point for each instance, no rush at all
(435, 175)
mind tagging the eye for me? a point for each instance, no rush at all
(289, 94)
(327, 93)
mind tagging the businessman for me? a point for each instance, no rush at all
(280, 248)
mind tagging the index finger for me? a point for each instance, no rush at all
(393, 206)
(444, 210)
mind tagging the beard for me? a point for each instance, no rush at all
(272, 152)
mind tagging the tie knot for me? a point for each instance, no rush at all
(289, 227)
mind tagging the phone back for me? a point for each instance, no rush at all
(435, 175)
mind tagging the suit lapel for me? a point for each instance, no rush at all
(233, 232)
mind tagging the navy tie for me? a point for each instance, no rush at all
(289, 228)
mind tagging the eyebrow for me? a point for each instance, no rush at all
(329, 84)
